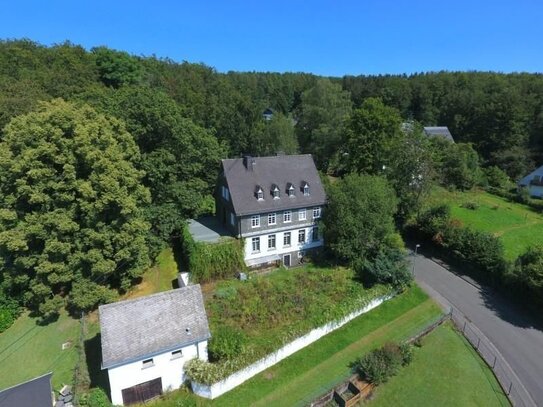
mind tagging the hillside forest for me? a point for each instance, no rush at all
(104, 155)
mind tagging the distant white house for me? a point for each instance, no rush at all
(147, 341)
(534, 182)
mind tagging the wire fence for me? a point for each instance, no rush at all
(510, 383)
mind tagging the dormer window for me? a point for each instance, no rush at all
(259, 193)
(290, 189)
(305, 188)
(275, 191)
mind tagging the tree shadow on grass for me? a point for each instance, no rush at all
(178, 255)
(93, 356)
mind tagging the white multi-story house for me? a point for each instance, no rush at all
(147, 341)
(274, 204)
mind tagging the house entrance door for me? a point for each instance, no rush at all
(286, 260)
(142, 392)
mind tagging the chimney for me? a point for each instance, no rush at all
(249, 162)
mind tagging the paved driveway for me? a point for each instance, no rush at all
(516, 336)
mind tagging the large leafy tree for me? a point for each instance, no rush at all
(180, 158)
(359, 219)
(274, 136)
(373, 135)
(71, 207)
(322, 114)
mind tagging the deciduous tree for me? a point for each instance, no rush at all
(71, 204)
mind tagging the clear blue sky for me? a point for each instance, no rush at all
(323, 37)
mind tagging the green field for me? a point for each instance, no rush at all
(317, 368)
(28, 350)
(446, 371)
(517, 225)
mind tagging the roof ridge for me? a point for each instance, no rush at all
(132, 300)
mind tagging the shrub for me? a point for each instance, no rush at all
(433, 220)
(496, 178)
(388, 267)
(9, 311)
(380, 364)
(226, 342)
(95, 398)
(470, 205)
(211, 261)
(406, 351)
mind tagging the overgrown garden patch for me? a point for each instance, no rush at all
(254, 318)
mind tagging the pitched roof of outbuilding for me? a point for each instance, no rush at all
(280, 170)
(33, 393)
(135, 329)
(439, 131)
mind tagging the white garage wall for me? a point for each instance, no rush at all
(169, 369)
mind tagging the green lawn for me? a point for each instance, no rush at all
(446, 371)
(28, 350)
(517, 225)
(319, 367)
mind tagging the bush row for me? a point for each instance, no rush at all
(211, 261)
(482, 255)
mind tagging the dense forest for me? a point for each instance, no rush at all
(104, 155)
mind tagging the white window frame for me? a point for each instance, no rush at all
(290, 191)
(272, 216)
(317, 212)
(285, 235)
(302, 214)
(272, 238)
(306, 190)
(287, 216)
(276, 193)
(255, 221)
(147, 363)
(255, 241)
(301, 233)
(260, 195)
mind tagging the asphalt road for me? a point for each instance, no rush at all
(518, 338)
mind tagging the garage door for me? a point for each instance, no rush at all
(142, 392)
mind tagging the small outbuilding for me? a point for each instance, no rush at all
(33, 393)
(147, 341)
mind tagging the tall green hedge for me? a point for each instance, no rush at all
(211, 261)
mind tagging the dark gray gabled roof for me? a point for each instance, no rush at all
(439, 131)
(135, 329)
(268, 171)
(33, 393)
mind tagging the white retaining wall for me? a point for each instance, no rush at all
(217, 389)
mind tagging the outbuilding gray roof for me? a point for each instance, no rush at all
(33, 393)
(243, 179)
(439, 131)
(140, 328)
